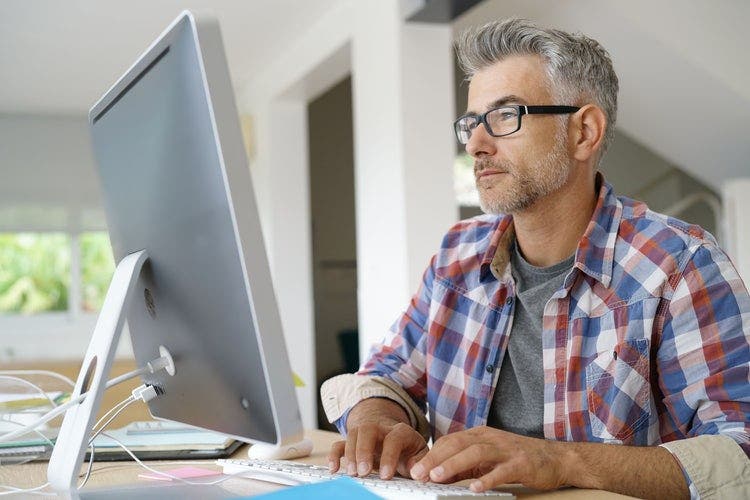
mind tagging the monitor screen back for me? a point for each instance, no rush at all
(166, 191)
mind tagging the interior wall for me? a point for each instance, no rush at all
(332, 211)
(47, 174)
(638, 172)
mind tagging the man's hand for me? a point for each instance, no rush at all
(378, 435)
(494, 457)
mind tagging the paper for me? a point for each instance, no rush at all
(337, 489)
(13, 402)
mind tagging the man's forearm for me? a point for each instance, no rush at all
(645, 472)
(377, 410)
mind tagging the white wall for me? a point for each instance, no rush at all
(403, 107)
(47, 175)
(736, 210)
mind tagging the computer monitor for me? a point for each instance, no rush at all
(176, 186)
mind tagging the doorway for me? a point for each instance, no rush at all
(334, 251)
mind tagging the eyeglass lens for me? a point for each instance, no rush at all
(500, 121)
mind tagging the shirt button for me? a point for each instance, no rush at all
(508, 301)
(490, 368)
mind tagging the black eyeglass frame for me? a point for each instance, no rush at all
(520, 109)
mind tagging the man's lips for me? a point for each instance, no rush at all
(485, 173)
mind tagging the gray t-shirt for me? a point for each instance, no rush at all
(518, 402)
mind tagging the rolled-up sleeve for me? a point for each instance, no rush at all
(395, 368)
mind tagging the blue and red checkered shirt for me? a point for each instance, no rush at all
(647, 341)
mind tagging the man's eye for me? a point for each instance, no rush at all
(470, 124)
(507, 115)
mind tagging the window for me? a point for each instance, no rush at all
(34, 272)
(54, 272)
(97, 267)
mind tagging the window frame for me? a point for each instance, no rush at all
(54, 335)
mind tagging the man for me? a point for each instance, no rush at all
(560, 339)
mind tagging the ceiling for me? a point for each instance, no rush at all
(63, 55)
(683, 64)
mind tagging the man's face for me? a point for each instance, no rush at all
(515, 171)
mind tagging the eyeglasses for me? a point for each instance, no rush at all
(502, 121)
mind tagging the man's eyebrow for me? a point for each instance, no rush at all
(508, 99)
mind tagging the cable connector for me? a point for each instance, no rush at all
(165, 362)
(145, 393)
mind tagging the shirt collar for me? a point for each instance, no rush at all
(595, 251)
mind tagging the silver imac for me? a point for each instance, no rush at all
(193, 276)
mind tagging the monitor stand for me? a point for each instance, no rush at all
(73, 439)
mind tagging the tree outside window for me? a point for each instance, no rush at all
(36, 271)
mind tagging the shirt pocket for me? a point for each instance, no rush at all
(618, 393)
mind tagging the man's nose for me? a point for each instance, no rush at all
(480, 143)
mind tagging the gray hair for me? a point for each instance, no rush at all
(578, 67)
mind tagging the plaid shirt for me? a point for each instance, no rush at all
(647, 341)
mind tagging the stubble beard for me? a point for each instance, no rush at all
(526, 186)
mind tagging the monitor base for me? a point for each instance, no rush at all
(290, 451)
(73, 438)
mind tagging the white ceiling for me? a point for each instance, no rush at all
(59, 57)
(683, 64)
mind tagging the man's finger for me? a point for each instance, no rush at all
(443, 448)
(395, 443)
(367, 441)
(504, 473)
(335, 454)
(404, 467)
(467, 459)
(350, 449)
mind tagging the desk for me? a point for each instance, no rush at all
(122, 473)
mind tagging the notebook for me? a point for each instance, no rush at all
(152, 440)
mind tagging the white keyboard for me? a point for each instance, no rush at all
(294, 473)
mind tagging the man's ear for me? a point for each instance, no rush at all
(587, 126)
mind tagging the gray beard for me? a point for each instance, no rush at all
(547, 176)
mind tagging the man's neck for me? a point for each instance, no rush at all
(549, 231)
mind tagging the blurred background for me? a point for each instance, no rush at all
(346, 108)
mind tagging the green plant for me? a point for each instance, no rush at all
(97, 267)
(34, 272)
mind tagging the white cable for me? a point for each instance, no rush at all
(33, 386)
(127, 402)
(151, 367)
(114, 408)
(42, 420)
(41, 435)
(129, 375)
(142, 393)
(39, 372)
(93, 448)
(165, 474)
(34, 491)
(123, 406)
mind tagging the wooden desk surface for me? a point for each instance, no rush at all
(123, 473)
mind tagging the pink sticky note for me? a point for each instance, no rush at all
(181, 472)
